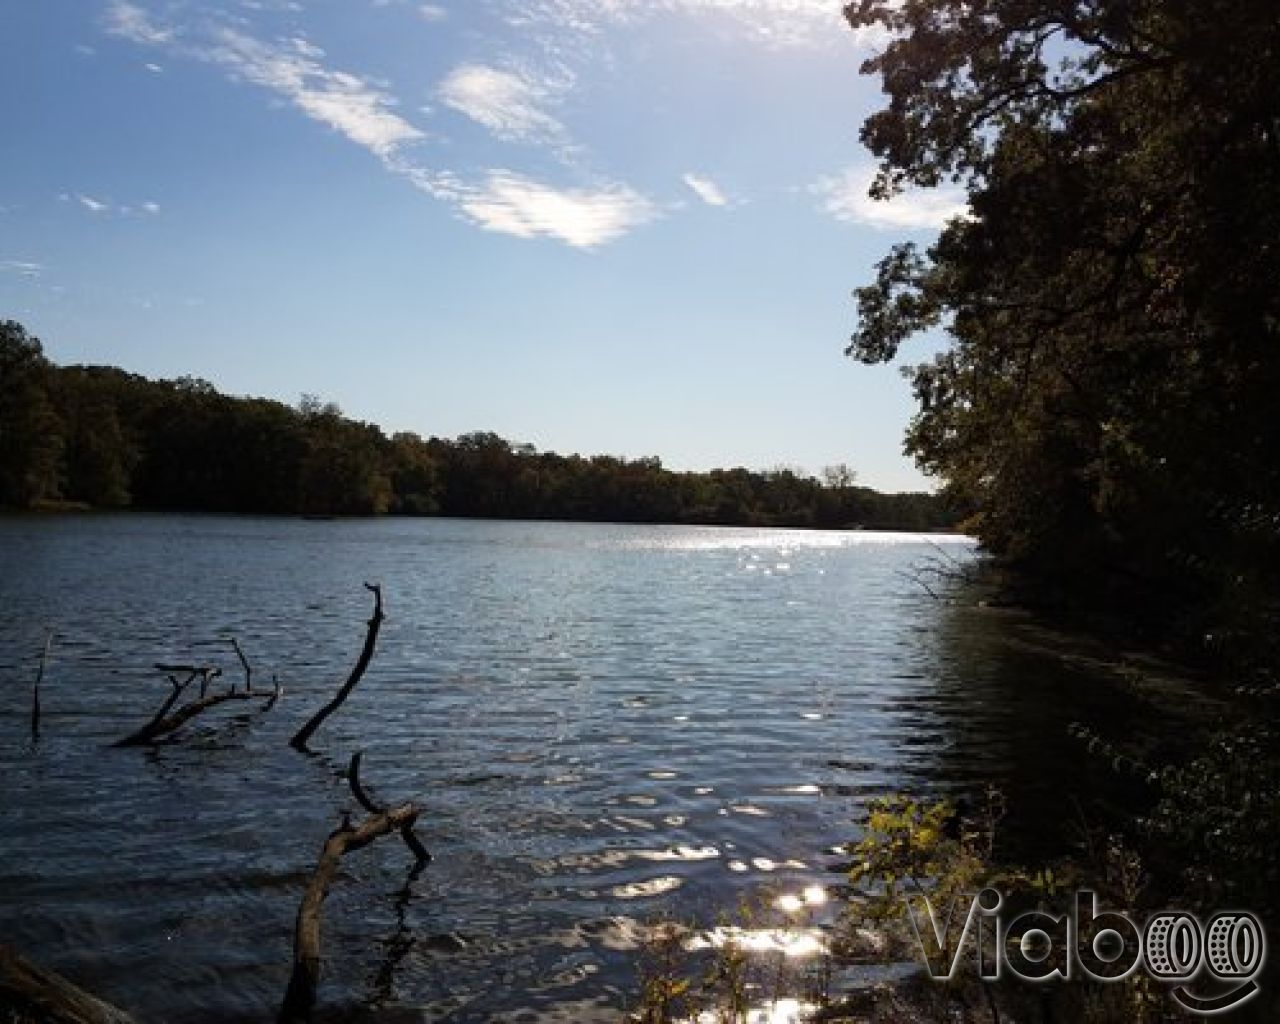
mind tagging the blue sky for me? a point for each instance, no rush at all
(604, 226)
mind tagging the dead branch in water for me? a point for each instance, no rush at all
(300, 997)
(30, 992)
(367, 802)
(163, 723)
(299, 741)
(248, 670)
(940, 570)
(35, 692)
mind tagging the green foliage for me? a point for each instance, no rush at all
(1106, 403)
(103, 437)
(1215, 817)
(31, 443)
(915, 847)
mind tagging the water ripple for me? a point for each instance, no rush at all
(601, 723)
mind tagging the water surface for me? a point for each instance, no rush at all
(603, 723)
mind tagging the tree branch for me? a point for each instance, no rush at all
(35, 692)
(300, 996)
(30, 992)
(248, 670)
(163, 723)
(299, 741)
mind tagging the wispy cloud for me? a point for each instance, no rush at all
(844, 197)
(106, 208)
(511, 104)
(706, 190)
(130, 21)
(26, 268)
(508, 103)
(512, 204)
(345, 102)
(781, 23)
(428, 12)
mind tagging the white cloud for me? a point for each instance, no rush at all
(343, 101)
(347, 103)
(584, 217)
(131, 22)
(706, 190)
(155, 69)
(845, 197)
(24, 267)
(106, 208)
(432, 12)
(307, 48)
(781, 23)
(507, 103)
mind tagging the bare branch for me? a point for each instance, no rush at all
(30, 992)
(916, 577)
(248, 670)
(300, 997)
(299, 741)
(357, 790)
(35, 692)
(276, 693)
(206, 676)
(373, 807)
(163, 723)
(178, 687)
(161, 726)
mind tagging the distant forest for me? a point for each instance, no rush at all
(105, 438)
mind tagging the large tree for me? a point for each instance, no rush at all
(1113, 298)
(30, 438)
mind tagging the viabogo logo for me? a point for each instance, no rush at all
(1175, 946)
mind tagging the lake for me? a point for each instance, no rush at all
(604, 724)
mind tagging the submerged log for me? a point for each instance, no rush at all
(32, 993)
(300, 997)
(299, 741)
(163, 723)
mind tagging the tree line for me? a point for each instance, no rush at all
(105, 438)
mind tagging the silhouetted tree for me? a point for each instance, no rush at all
(1107, 401)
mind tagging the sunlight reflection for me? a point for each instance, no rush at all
(795, 942)
(783, 542)
(781, 1011)
(789, 903)
(679, 853)
(653, 887)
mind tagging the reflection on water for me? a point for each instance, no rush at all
(604, 724)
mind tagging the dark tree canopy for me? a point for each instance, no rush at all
(1107, 401)
(98, 436)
